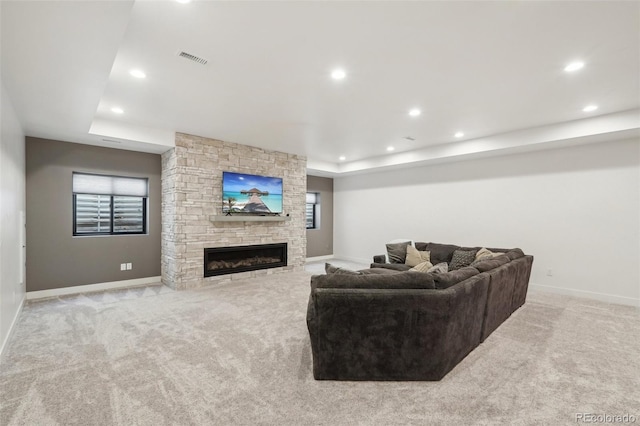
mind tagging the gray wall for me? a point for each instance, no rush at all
(55, 258)
(320, 241)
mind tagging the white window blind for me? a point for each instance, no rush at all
(109, 185)
(109, 205)
(312, 198)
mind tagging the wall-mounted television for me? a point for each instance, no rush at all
(244, 193)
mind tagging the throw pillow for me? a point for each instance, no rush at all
(485, 253)
(397, 252)
(415, 257)
(423, 267)
(462, 258)
(332, 269)
(440, 268)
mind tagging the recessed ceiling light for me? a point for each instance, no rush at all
(338, 74)
(183, 1)
(415, 112)
(138, 73)
(390, 148)
(459, 134)
(574, 66)
(590, 108)
(342, 158)
(117, 110)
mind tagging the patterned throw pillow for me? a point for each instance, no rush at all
(423, 267)
(397, 252)
(462, 258)
(440, 268)
(415, 257)
(331, 269)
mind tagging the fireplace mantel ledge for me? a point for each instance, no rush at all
(224, 218)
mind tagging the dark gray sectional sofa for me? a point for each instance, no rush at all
(389, 323)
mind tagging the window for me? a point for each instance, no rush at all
(312, 212)
(109, 205)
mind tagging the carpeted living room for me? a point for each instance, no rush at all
(319, 213)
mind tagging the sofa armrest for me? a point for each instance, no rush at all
(380, 258)
(391, 266)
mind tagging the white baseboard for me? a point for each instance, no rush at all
(319, 258)
(602, 297)
(41, 294)
(12, 328)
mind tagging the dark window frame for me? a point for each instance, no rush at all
(313, 220)
(111, 219)
(314, 209)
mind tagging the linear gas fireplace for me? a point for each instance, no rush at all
(229, 260)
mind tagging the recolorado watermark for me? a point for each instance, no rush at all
(605, 418)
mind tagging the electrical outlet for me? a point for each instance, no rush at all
(549, 272)
(123, 266)
(129, 266)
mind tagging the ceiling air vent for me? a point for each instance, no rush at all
(193, 58)
(409, 138)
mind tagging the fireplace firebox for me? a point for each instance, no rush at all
(230, 260)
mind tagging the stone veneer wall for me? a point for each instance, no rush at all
(192, 192)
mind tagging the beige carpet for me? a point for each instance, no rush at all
(239, 354)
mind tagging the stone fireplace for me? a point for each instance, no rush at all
(192, 209)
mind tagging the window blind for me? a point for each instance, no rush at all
(312, 198)
(110, 185)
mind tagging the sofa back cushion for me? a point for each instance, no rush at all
(514, 254)
(448, 279)
(406, 280)
(438, 252)
(484, 265)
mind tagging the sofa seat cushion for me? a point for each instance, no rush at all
(451, 278)
(394, 266)
(404, 280)
(484, 265)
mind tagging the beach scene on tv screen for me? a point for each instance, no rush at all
(243, 193)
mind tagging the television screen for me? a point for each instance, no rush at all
(243, 193)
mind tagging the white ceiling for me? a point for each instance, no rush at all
(485, 68)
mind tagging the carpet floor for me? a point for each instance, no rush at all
(239, 354)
